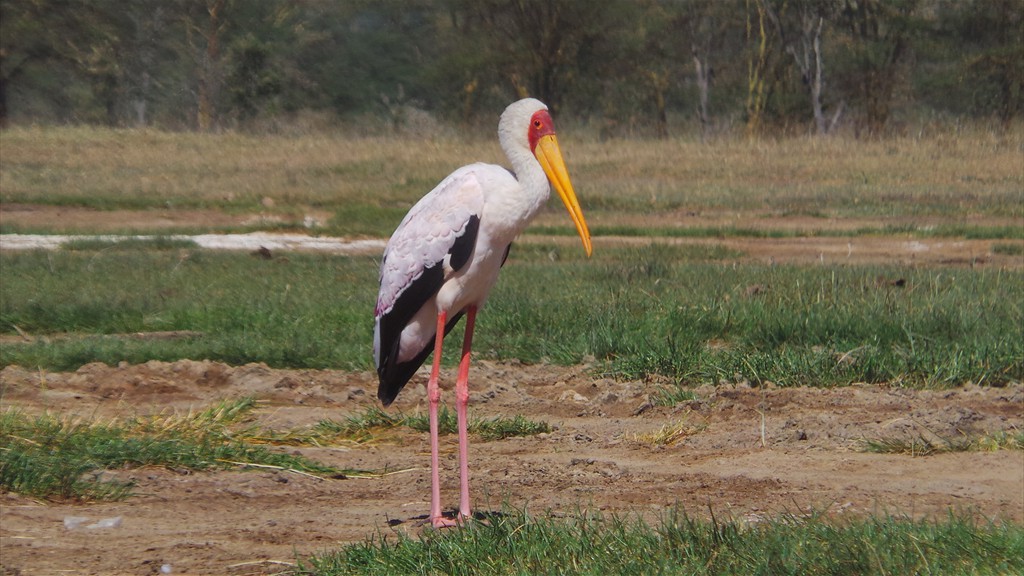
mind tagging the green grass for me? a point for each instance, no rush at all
(366, 425)
(61, 458)
(973, 232)
(515, 543)
(651, 310)
(688, 314)
(1008, 249)
(673, 395)
(300, 310)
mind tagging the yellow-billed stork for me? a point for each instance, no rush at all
(444, 258)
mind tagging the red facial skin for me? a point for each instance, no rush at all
(540, 126)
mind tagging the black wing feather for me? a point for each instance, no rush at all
(395, 375)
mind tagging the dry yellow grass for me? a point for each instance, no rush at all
(979, 172)
(950, 177)
(140, 168)
(671, 433)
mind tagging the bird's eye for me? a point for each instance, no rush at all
(537, 124)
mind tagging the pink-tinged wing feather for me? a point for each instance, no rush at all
(427, 234)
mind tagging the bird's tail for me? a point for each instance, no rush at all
(395, 375)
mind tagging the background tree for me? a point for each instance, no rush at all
(703, 32)
(67, 47)
(762, 63)
(205, 24)
(988, 41)
(879, 50)
(625, 67)
(533, 47)
(800, 25)
(702, 28)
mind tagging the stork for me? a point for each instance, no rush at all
(444, 258)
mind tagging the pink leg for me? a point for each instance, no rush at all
(434, 397)
(461, 400)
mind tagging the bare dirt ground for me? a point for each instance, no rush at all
(749, 453)
(596, 458)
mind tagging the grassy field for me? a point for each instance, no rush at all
(590, 544)
(692, 316)
(369, 183)
(688, 315)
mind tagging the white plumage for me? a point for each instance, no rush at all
(444, 258)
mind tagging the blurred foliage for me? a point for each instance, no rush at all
(624, 67)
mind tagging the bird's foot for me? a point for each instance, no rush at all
(443, 522)
(454, 520)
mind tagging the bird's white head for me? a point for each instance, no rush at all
(514, 125)
(526, 129)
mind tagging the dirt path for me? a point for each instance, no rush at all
(596, 458)
(803, 248)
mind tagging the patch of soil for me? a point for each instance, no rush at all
(748, 454)
(78, 220)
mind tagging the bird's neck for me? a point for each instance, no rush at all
(535, 186)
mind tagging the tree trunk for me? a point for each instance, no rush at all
(659, 83)
(141, 102)
(703, 85)
(816, 83)
(209, 68)
(757, 67)
(703, 31)
(808, 56)
(879, 28)
(3, 102)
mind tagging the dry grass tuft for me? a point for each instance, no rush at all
(671, 433)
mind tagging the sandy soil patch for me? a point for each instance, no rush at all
(808, 457)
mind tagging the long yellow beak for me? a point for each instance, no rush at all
(550, 157)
